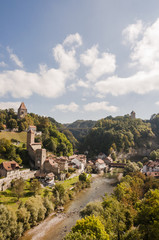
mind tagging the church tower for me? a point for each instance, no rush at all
(22, 111)
(30, 138)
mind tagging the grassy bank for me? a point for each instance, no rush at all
(21, 136)
(69, 183)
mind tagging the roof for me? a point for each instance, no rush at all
(40, 174)
(153, 174)
(22, 106)
(30, 131)
(32, 126)
(100, 161)
(51, 162)
(108, 159)
(50, 175)
(10, 165)
(153, 164)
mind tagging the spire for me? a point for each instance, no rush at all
(22, 106)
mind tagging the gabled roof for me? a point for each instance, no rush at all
(22, 106)
(10, 165)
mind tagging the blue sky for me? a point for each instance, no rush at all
(84, 59)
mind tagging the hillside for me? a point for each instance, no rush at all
(80, 128)
(118, 134)
(19, 136)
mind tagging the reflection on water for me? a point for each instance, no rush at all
(55, 228)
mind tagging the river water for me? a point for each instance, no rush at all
(56, 227)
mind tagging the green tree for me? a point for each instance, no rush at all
(18, 187)
(92, 208)
(8, 224)
(154, 154)
(59, 193)
(35, 186)
(48, 205)
(89, 228)
(132, 234)
(131, 167)
(12, 123)
(118, 219)
(148, 215)
(35, 207)
(23, 217)
(50, 144)
(83, 177)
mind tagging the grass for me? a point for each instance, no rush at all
(21, 136)
(69, 182)
(7, 197)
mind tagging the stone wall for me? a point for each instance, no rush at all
(25, 174)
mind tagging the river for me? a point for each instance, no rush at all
(56, 227)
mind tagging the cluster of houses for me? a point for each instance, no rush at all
(46, 164)
(151, 168)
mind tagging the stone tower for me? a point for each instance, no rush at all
(30, 138)
(133, 115)
(22, 111)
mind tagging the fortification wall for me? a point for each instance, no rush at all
(25, 174)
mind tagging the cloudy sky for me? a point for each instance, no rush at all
(84, 59)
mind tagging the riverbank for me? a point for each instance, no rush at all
(55, 227)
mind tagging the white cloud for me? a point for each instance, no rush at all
(100, 106)
(7, 105)
(140, 83)
(72, 87)
(73, 39)
(72, 107)
(99, 66)
(157, 103)
(132, 32)
(14, 58)
(48, 82)
(89, 57)
(66, 59)
(144, 54)
(18, 83)
(3, 64)
(83, 84)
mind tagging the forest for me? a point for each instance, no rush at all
(120, 134)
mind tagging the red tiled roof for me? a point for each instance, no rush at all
(22, 106)
(32, 126)
(153, 174)
(152, 164)
(100, 161)
(10, 165)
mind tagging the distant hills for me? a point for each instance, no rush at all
(80, 128)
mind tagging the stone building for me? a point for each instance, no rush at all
(36, 152)
(133, 115)
(22, 111)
